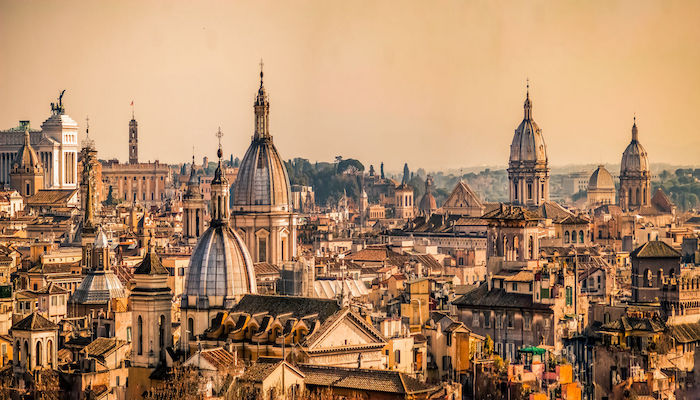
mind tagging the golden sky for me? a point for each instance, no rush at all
(437, 84)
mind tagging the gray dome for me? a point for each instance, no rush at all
(634, 159)
(26, 159)
(98, 287)
(601, 179)
(262, 181)
(220, 270)
(528, 143)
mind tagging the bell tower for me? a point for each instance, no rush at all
(133, 138)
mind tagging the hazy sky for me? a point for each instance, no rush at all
(437, 84)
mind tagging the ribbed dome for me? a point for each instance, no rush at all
(27, 160)
(220, 270)
(634, 159)
(262, 178)
(528, 143)
(601, 179)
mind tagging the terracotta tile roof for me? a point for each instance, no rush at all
(511, 212)
(34, 322)
(655, 249)
(497, 298)
(51, 197)
(263, 268)
(219, 357)
(261, 369)
(102, 347)
(685, 333)
(371, 380)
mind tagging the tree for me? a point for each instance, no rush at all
(488, 346)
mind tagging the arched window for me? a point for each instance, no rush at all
(629, 197)
(531, 247)
(672, 273)
(637, 197)
(566, 237)
(573, 236)
(139, 340)
(38, 360)
(660, 277)
(580, 236)
(18, 353)
(161, 334)
(25, 354)
(647, 278)
(190, 329)
(49, 353)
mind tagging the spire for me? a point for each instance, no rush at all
(262, 110)
(406, 174)
(528, 104)
(220, 189)
(261, 72)
(635, 134)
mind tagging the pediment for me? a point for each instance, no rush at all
(349, 330)
(462, 196)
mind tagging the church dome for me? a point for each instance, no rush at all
(634, 159)
(27, 160)
(428, 204)
(601, 179)
(528, 142)
(220, 270)
(262, 178)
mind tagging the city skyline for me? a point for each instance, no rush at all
(441, 95)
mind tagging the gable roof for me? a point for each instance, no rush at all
(102, 347)
(334, 320)
(34, 322)
(655, 249)
(463, 200)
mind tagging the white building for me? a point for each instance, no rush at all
(56, 143)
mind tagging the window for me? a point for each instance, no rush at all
(448, 338)
(499, 321)
(139, 328)
(580, 236)
(397, 356)
(475, 320)
(499, 348)
(262, 249)
(128, 334)
(566, 237)
(510, 320)
(487, 319)
(569, 296)
(527, 322)
(529, 191)
(515, 286)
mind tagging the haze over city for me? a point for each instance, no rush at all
(440, 84)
